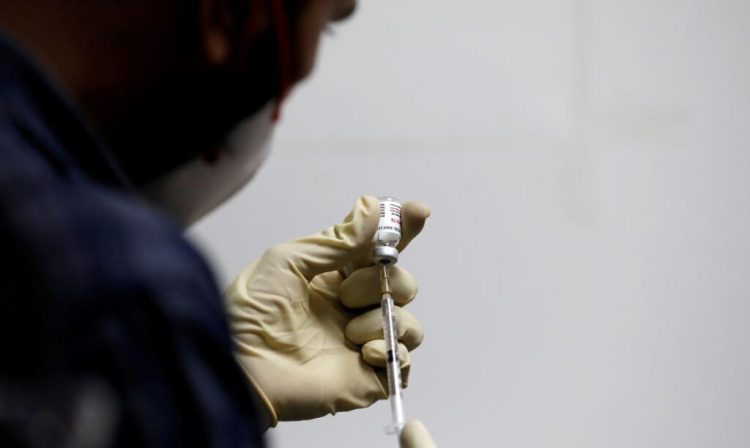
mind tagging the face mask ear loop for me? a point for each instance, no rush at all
(280, 23)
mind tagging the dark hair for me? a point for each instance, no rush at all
(183, 116)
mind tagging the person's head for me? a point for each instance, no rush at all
(165, 81)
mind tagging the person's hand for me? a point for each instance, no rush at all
(310, 338)
(415, 435)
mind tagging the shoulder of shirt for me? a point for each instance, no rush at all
(80, 233)
(73, 232)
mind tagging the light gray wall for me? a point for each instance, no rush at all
(585, 277)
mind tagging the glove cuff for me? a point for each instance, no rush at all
(269, 418)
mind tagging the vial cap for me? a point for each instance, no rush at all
(385, 255)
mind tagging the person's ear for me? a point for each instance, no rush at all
(222, 29)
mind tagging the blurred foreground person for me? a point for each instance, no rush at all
(122, 122)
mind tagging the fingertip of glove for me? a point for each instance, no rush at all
(374, 354)
(418, 209)
(414, 215)
(415, 435)
(369, 199)
(368, 203)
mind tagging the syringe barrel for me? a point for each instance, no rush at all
(393, 362)
(393, 365)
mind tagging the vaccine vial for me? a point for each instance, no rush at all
(388, 235)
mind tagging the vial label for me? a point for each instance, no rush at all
(389, 225)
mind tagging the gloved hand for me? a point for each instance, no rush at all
(309, 337)
(415, 435)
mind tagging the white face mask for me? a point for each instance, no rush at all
(194, 189)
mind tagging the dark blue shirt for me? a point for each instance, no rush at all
(104, 306)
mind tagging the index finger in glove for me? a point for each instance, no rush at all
(332, 248)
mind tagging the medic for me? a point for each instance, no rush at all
(121, 123)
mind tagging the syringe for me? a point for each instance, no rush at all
(385, 254)
(390, 333)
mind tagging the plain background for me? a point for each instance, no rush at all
(585, 276)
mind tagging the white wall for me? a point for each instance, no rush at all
(586, 271)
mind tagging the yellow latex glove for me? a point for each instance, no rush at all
(309, 339)
(415, 435)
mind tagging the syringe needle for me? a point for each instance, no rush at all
(393, 363)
